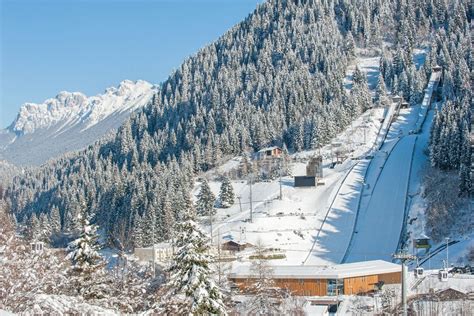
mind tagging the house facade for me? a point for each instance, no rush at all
(269, 152)
(163, 252)
(349, 278)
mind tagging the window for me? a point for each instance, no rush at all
(335, 287)
(37, 246)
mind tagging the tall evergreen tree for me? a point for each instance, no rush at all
(88, 276)
(226, 194)
(190, 289)
(381, 90)
(206, 200)
(465, 177)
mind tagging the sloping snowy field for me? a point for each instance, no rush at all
(360, 211)
(384, 207)
(292, 223)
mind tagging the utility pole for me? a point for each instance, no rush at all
(447, 253)
(240, 203)
(281, 194)
(210, 221)
(404, 257)
(219, 254)
(153, 247)
(364, 127)
(251, 205)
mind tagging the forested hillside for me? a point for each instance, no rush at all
(276, 78)
(448, 185)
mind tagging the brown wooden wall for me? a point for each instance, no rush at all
(359, 284)
(318, 287)
(303, 287)
(299, 287)
(391, 278)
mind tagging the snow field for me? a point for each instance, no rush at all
(383, 210)
(290, 224)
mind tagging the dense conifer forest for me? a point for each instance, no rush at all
(274, 79)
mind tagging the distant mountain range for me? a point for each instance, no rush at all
(70, 121)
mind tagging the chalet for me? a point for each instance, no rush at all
(447, 294)
(269, 152)
(163, 252)
(348, 278)
(233, 246)
(452, 293)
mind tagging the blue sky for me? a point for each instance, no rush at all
(47, 46)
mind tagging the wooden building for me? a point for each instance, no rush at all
(348, 278)
(233, 246)
(269, 152)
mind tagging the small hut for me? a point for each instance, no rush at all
(233, 246)
(422, 241)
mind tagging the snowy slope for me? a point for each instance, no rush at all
(70, 121)
(383, 206)
(304, 222)
(291, 224)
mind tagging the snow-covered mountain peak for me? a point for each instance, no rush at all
(75, 107)
(69, 121)
(127, 87)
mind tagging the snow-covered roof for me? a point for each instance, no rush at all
(338, 271)
(269, 148)
(161, 245)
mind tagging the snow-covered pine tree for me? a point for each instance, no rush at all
(169, 218)
(206, 200)
(45, 230)
(381, 90)
(55, 220)
(32, 231)
(88, 275)
(361, 99)
(350, 45)
(25, 274)
(137, 233)
(190, 289)
(226, 194)
(465, 178)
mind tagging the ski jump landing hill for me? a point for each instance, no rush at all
(367, 216)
